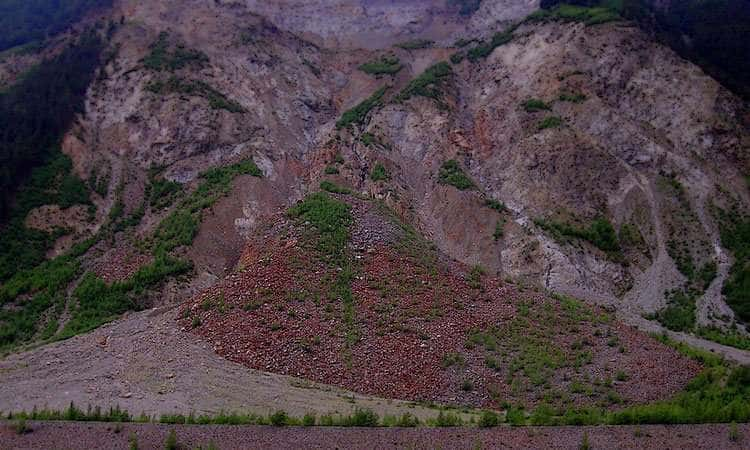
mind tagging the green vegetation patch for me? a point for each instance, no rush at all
(484, 49)
(181, 226)
(550, 122)
(600, 233)
(379, 173)
(176, 85)
(534, 104)
(160, 192)
(573, 13)
(161, 58)
(330, 221)
(735, 236)
(679, 314)
(451, 173)
(386, 65)
(429, 84)
(357, 115)
(416, 44)
(51, 184)
(572, 97)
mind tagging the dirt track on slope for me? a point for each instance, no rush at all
(99, 435)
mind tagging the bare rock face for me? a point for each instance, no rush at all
(642, 138)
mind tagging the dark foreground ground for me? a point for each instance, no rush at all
(79, 435)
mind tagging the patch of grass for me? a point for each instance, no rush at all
(176, 85)
(180, 227)
(550, 122)
(735, 237)
(161, 58)
(386, 65)
(331, 170)
(574, 13)
(358, 114)
(572, 97)
(54, 183)
(331, 220)
(731, 338)
(484, 49)
(534, 104)
(161, 193)
(679, 314)
(600, 233)
(453, 359)
(457, 57)
(429, 84)
(334, 188)
(474, 280)
(379, 173)
(451, 173)
(499, 232)
(488, 419)
(416, 44)
(496, 205)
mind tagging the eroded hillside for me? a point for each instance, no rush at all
(498, 162)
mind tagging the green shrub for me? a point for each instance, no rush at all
(484, 49)
(448, 419)
(550, 122)
(357, 115)
(176, 85)
(535, 104)
(429, 84)
(171, 442)
(363, 418)
(573, 97)
(599, 233)
(489, 419)
(457, 57)
(161, 193)
(379, 173)
(279, 419)
(679, 314)
(334, 188)
(416, 44)
(735, 236)
(451, 173)
(331, 170)
(389, 65)
(160, 57)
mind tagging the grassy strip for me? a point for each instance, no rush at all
(600, 233)
(181, 226)
(451, 173)
(484, 49)
(331, 220)
(534, 104)
(360, 418)
(573, 13)
(175, 85)
(379, 173)
(428, 84)
(160, 58)
(357, 115)
(388, 65)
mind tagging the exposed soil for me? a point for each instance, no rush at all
(109, 436)
(423, 330)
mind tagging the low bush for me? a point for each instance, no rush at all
(488, 419)
(451, 173)
(534, 104)
(429, 84)
(599, 233)
(550, 122)
(573, 97)
(386, 65)
(176, 85)
(358, 114)
(574, 13)
(484, 49)
(161, 58)
(379, 173)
